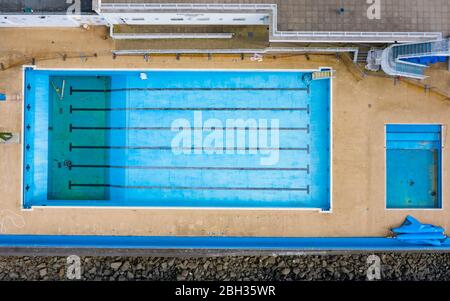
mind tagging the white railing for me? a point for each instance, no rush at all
(355, 37)
(156, 36)
(183, 6)
(355, 34)
(427, 53)
(354, 50)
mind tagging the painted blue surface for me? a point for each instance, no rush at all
(249, 243)
(410, 227)
(2, 97)
(427, 60)
(413, 166)
(300, 179)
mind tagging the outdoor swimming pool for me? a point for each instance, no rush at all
(176, 138)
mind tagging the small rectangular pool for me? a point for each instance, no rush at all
(413, 166)
(176, 138)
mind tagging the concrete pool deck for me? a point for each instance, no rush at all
(360, 111)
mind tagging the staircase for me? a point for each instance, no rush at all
(394, 58)
(362, 56)
(412, 49)
(436, 48)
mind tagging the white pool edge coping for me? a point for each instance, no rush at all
(320, 210)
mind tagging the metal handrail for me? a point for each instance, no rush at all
(358, 34)
(429, 53)
(176, 6)
(154, 36)
(354, 50)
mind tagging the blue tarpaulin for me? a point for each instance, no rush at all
(414, 232)
(2, 97)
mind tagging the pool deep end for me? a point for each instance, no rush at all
(121, 138)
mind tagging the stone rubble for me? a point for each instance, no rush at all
(394, 266)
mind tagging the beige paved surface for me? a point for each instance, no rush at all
(360, 110)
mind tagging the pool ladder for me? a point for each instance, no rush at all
(322, 74)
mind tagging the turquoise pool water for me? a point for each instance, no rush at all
(176, 139)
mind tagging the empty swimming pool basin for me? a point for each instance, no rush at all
(413, 166)
(176, 138)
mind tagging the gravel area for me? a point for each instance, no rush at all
(396, 266)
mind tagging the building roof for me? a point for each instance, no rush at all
(47, 6)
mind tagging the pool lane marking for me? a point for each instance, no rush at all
(161, 128)
(72, 109)
(72, 147)
(194, 167)
(72, 90)
(306, 189)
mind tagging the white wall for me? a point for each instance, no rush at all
(187, 18)
(50, 20)
(64, 20)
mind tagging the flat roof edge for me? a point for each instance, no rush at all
(43, 6)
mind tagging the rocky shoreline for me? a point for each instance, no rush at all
(394, 266)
